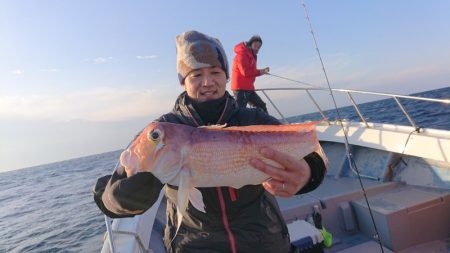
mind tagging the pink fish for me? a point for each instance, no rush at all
(190, 157)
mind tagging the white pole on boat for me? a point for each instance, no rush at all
(317, 106)
(276, 108)
(406, 114)
(357, 110)
(108, 220)
(110, 234)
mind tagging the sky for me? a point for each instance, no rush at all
(83, 77)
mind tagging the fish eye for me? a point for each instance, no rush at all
(154, 135)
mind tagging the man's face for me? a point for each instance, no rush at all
(255, 46)
(205, 84)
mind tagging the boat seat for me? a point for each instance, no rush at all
(328, 196)
(406, 216)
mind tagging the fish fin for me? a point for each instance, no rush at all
(196, 199)
(130, 160)
(179, 219)
(183, 196)
(305, 127)
(183, 189)
(214, 126)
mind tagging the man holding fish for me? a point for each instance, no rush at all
(220, 180)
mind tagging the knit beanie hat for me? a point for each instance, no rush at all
(253, 39)
(197, 50)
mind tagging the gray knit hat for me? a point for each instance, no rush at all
(197, 50)
(254, 38)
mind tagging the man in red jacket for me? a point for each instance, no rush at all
(244, 73)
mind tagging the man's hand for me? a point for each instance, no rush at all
(264, 71)
(286, 181)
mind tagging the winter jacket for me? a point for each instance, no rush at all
(244, 71)
(236, 220)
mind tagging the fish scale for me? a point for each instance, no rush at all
(223, 157)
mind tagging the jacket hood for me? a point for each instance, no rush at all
(240, 48)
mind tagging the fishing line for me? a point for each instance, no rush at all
(349, 155)
(295, 81)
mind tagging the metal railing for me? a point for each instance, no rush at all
(352, 101)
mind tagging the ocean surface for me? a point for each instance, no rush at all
(49, 208)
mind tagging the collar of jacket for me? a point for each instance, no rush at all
(187, 114)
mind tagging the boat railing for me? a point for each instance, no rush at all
(349, 93)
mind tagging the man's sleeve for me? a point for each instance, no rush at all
(263, 118)
(120, 196)
(317, 161)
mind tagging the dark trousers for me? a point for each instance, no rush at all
(244, 96)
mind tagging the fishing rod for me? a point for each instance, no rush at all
(352, 162)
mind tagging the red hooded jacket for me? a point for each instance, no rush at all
(244, 69)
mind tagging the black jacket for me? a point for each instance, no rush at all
(247, 218)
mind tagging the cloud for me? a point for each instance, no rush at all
(98, 105)
(102, 60)
(17, 72)
(146, 57)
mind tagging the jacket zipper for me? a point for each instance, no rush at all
(225, 221)
(222, 201)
